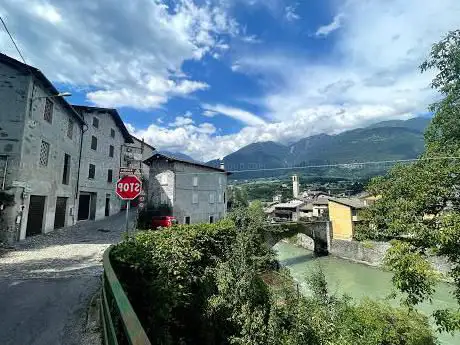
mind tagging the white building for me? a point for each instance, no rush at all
(194, 192)
(103, 139)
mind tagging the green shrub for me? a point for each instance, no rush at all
(203, 284)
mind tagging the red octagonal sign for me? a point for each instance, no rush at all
(128, 187)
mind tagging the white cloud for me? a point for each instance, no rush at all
(47, 12)
(371, 75)
(238, 114)
(291, 14)
(252, 39)
(181, 121)
(327, 29)
(128, 53)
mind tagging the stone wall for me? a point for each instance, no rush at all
(303, 241)
(372, 253)
(367, 252)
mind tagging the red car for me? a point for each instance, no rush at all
(163, 221)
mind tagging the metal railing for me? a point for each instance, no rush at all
(120, 324)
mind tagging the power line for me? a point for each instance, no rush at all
(346, 165)
(340, 165)
(12, 40)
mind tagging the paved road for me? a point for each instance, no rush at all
(47, 282)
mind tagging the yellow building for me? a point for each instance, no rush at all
(343, 214)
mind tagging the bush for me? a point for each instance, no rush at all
(211, 284)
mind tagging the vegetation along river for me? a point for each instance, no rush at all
(357, 280)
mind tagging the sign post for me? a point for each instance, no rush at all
(128, 188)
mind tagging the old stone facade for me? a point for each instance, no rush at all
(39, 147)
(103, 140)
(58, 163)
(195, 192)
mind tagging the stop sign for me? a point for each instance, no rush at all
(128, 187)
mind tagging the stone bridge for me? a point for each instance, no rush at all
(318, 231)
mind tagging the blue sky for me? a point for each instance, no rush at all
(207, 77)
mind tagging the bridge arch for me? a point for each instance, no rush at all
(319, 232)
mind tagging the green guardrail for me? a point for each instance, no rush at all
(119, 321)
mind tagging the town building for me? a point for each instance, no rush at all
(190, 191)
(320, 206)
(343, 215)
(134, 154)
(289, 211)
(295, 186)
(40, 143)
(103, 140)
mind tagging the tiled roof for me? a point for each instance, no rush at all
(352, 202)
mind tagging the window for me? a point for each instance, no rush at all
(111, 149)
(220, 181)
(187, 220)
(211, 219)
(109, 175)
(66, 171)
(95, 122)
(70, 128)
(112, 132)
(163, 198)
(224, 198)
(163, 179)
(212, 198)
(93, 143)
(195, 198)
(195, 181)
(91, 171)
(220, 198)
(48, 113)
(44, 153)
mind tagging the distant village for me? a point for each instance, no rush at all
(313, 205)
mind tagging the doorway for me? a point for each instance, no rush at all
(83, 206)
(35, 216)
(59, 215)
(107, 205)
(92, 209)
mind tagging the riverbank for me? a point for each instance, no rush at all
(357, 280)
(370, 253)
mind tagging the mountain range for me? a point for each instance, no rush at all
(383, 141)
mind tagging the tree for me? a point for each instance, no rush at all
(422, 200)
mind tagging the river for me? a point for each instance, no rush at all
(357, 280)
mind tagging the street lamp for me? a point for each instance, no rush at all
(60, 94)
(32, 99)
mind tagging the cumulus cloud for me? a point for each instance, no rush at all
(127, 53)
(327, 29)
(241, 115)
(371, 76)
(181, 121)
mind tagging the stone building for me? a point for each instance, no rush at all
(134, 155)
(103, 141)
(40, 137)
(194, 192)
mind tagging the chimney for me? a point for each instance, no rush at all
(222, 166)
(295, 186)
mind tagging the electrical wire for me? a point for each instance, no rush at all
(12, 40)
(341, 165)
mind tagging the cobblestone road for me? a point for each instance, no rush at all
(46, 283)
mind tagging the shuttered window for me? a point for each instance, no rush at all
(44, 153)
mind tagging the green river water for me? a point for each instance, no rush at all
(357, 280)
